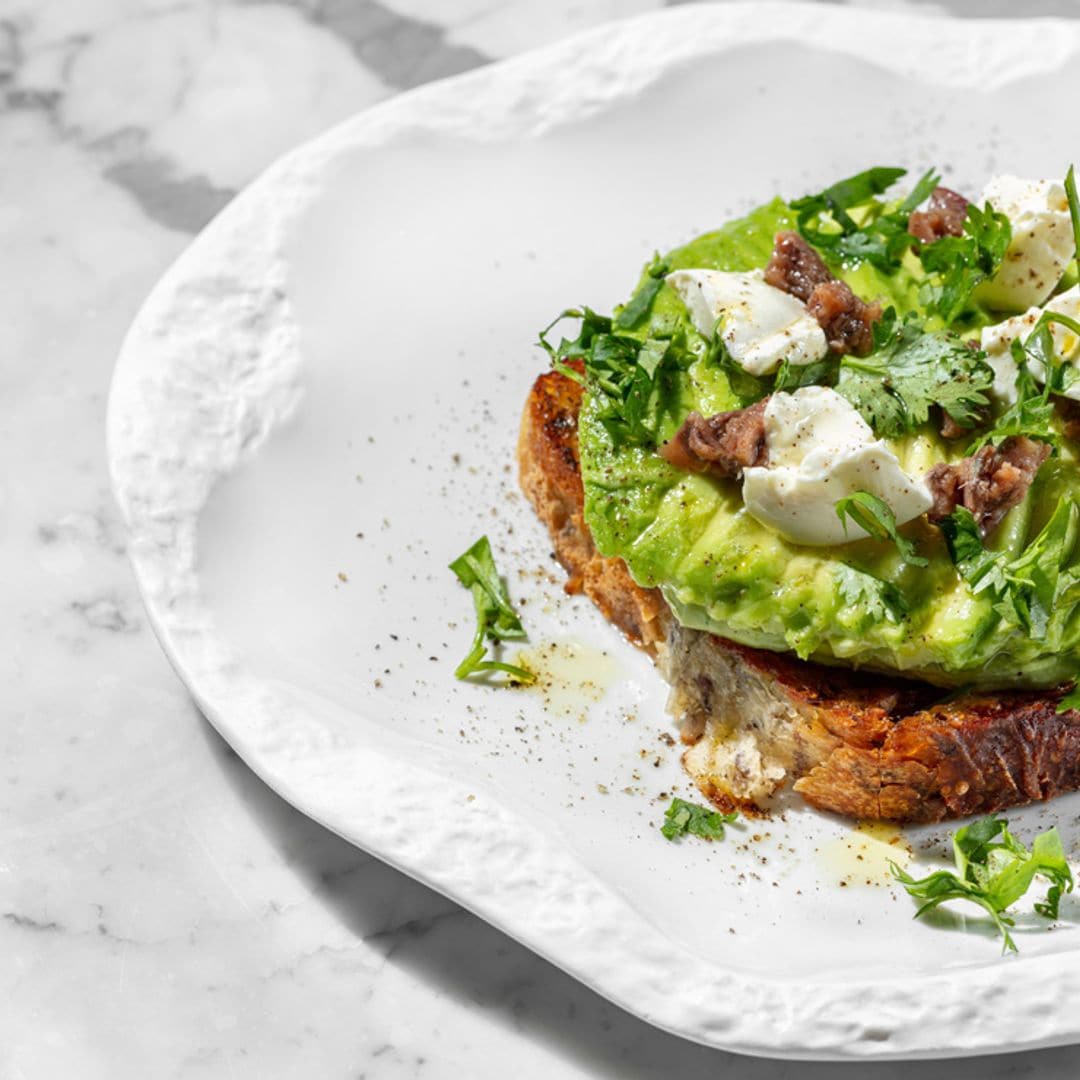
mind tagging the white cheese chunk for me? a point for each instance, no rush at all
(997, 340)
(760, 325)
(820, 450)
(1042, 242)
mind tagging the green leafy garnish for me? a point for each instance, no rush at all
(849, 224)
(684, 817)
(1026, 589)
(1071, 700)
(792, 376)
(956, 265)
(625, 374)
(496, 619)
(1074, 209)
(1031, 414)
(993, 870)
(911, 370)
(1039, 346)
(750, 388)
(875, 598)
(640, 304)
(876, 517)
(1033, 411)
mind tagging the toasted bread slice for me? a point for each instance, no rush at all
(865, 746)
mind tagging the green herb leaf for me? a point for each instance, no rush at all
(1074, 208)
(641, 302)
(496, 619)
(846, 194)
(876, 517)
(993, 870)
(911, 370)
(1029, 588)
(684, 817)
(628, 375)
(874, 598)
(1033, 411)
(792, 376)
(922, 191)
(1031, 414)
(1071, 700)
(956, 265)
(849, 224)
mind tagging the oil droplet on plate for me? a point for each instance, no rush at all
(570, 676)
(862, 857)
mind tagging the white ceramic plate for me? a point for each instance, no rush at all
(316, 410)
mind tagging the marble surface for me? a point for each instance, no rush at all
(162, 913)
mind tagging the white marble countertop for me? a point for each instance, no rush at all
(162, 913)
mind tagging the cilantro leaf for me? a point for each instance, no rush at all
(792, 376)
(1033, 411)
(956, 265)
(876, 517)
(496, 619)
(849, 224)
(863, 592)
(911, 370)
(684, 817)
(627, 375)
(1031, 414)
(640, 304)
(1027, 590)
(750, 388)
(993, 870)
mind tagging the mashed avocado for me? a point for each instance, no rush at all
(858, 604)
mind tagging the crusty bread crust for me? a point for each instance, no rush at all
(551, 478)
(865, 746)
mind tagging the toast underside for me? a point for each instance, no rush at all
(862, 745)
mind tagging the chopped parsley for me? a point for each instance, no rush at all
(496, 619)
(876, 517)
(910, 371)
(640, 304)
(1032, 412)
(993, 870)
(848, 223)
(627, 375)
(793, 376)
(1031, 587)
(684, 817)
(870, 595)
(957, 265)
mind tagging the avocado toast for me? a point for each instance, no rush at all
(839, 520)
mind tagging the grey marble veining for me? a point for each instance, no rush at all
(162, 913)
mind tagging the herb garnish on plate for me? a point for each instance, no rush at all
(496, 619)
(993, 870)
(682, 818)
